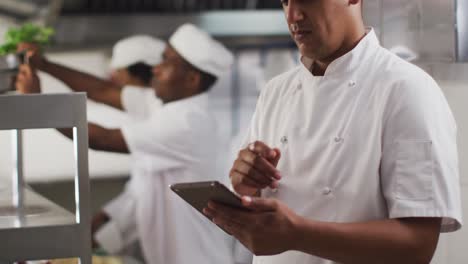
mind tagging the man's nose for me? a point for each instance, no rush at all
(294, 12)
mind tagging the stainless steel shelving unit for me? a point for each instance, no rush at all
(32, 227)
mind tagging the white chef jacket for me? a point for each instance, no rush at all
(139, 103)
(120, 232)
(178, 143)
(372, 139)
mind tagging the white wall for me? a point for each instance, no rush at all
(454, 82)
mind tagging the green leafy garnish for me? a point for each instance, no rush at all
(27, 33)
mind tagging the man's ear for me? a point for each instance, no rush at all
(194, 79)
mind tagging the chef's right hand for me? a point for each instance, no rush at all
(27, 81)
(255, 169)
(97, 222)
(34, 56)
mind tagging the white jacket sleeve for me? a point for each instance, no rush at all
(121, 230)
(419, 168)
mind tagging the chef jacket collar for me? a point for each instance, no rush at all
(351, 60)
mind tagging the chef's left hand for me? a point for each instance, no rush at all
(268, 229)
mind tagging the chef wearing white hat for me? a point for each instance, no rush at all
(177, 143)
(132, 61)
(133, 58)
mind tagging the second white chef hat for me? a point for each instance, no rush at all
(202, 51)
(135, 49)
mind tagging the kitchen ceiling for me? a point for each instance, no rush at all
(162, 6)
(20, 11)
(425, 30)
(93, 23)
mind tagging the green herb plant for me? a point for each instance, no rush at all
(27, 33)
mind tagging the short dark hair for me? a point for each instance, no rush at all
(141, 71)
(207, 81)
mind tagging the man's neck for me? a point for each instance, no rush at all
(137, 82)
(319, 67)
(182, 97)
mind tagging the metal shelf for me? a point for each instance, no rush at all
(37, 211)
(40, 230)
(31, 226)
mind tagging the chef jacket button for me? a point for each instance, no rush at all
(298, 89)
(352, 83)
(338, 139)
(284, 140)
(326, 191)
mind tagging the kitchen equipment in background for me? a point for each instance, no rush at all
(233, 27)
(43, 12)
(432, 30)
(462, 29)
(7, 77)
(8, 69)
(404, 53)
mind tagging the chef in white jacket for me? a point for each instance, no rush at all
(353, 152)
(132, 61)
(131, 67)
(178, 142)
(172, 151)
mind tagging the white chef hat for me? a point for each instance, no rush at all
(135, 49)
(199, 49)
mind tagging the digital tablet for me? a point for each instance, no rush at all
(198, 194)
